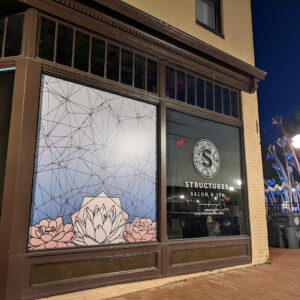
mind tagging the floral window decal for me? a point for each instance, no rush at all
(95, 169)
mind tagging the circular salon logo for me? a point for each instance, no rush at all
(206, 158)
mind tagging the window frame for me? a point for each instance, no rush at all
(218, 30)
(243, 178)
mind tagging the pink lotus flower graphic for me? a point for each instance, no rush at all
(100, 220)
(140, 230)
(99, 227)
(49, 234)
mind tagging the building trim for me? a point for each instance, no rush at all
(215, 62)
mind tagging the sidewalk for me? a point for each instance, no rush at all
(278, 280)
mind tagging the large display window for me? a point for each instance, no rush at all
(205, 195)
(95, 168)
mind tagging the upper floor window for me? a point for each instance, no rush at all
(208, 14)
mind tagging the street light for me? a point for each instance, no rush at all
(291, 142)
(296, 141)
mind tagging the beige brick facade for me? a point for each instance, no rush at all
(257, 215)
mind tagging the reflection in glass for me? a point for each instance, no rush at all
(226, 102)
(205, 13)
(191, 89)
(218, 99)
(234, 104)
(14, 33)
(82, 47)
(47, 37)
(209, 96)
(152, 76)
(112, 69)
(170, 82)
(140, 72)
(98, 57)
(126, 67)
(200, 93)
(181, 86)
(64, 45)
(199, 206)
(2, 22)
(6, 88)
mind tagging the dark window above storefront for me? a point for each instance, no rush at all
(11, 33)
(202, 93)
(6, 88)
(71, 47)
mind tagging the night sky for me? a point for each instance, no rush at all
(276, 28)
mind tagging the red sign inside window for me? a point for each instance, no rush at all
(180, 142)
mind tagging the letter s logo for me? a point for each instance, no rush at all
(207, 162)
(206, 158)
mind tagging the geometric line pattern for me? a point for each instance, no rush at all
(90, 141)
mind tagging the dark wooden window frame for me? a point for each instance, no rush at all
(18, 282)
(214, 83)
(2, 46)
(218, 19)
(107, 40)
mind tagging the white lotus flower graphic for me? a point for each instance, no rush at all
(99, 227)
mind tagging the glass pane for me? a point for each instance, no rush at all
(209, 96)
(82, 51)
(6, 88)
(205, 12)
(127, 67)
(204, 180)
(191, 89)
(98, 57)
(170, 82)
(112, 69)
(234, 104)
(47, 38)
(95, 169)
(2, 22)
(200, 92)
(14, 33)
(64, 45)
(140, 72)
(152, 76)
(218, 99)
(181, 86)
(226, 102)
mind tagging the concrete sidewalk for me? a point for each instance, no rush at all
(278, 280)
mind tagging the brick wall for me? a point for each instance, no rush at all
(258, 224)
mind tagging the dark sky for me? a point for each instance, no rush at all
(276, 28)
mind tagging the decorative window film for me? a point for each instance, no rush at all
(204, 178)
(95, 168)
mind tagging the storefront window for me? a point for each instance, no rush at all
(204, 178)
(6, 88)
(95, 169)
